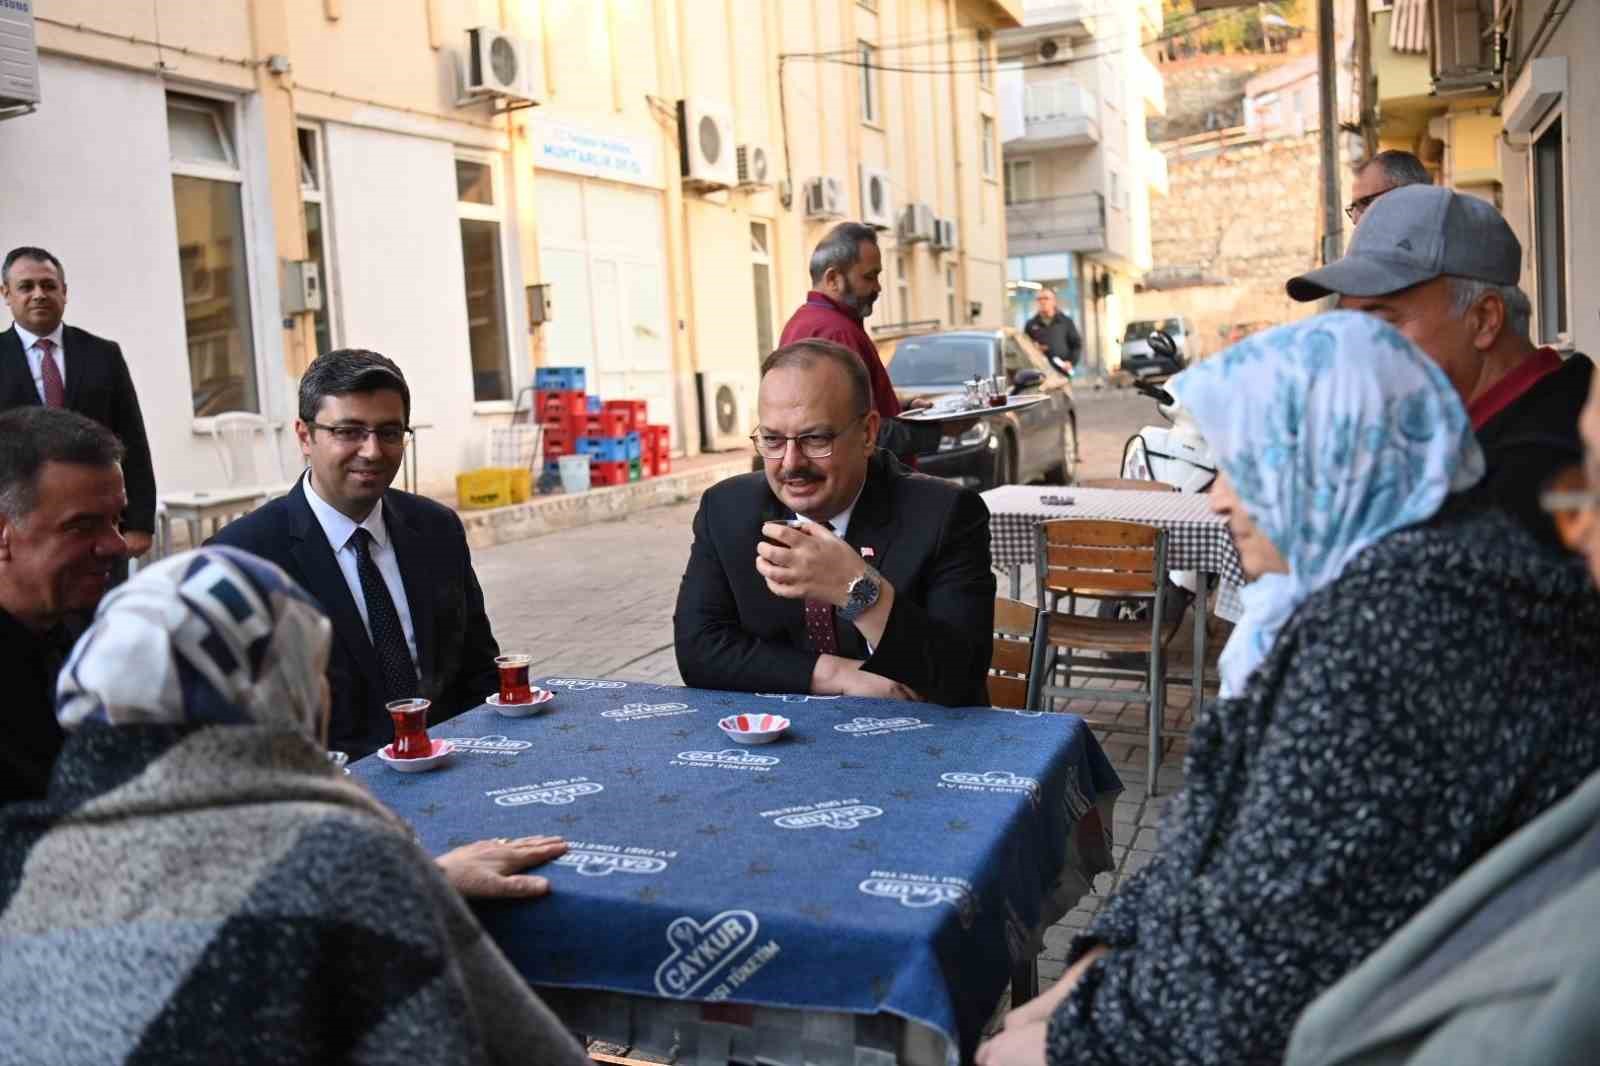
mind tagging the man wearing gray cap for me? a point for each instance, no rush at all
(1442, 268)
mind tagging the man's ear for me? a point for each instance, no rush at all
(870, 424)
(1486, 321)
(6, 528)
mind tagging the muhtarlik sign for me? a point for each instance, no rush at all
(595, 153)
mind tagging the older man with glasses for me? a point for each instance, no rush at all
(836, 570)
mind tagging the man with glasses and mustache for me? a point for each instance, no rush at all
(836, 571)
(391, 569)
(1380, 174)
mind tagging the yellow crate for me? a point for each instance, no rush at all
(521, 483)
(492, 486)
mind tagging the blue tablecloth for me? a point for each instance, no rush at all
(880, 857)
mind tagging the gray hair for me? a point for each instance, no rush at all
(1464, 292)
(32, 436)
(840, 249)
(1401, 168)
(813, 350)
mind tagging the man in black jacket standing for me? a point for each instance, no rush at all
(43, 361)
(837, 570)
(1054, 333)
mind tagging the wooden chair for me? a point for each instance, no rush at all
(1126, 483)
(1011, 667)
(1096, 560)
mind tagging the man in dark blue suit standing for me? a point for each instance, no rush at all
(391, 569)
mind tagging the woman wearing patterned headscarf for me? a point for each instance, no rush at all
(1412, 680)
(202, 885)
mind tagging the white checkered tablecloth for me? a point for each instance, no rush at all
(1196, 538)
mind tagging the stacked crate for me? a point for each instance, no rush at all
(654, 449)
(563, 408)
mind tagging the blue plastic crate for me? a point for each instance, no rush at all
(596, 405)
(633, 445)
(592, 447)
(613, 449)
(560, 378)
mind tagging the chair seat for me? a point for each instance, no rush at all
(1104, 634)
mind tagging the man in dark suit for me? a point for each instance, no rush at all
(391, 569)
(837, 570)
(43, 361)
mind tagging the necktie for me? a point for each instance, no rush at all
(388, 638)
(55, 392)
(821, 633)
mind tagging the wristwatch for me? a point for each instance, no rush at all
(861, 595)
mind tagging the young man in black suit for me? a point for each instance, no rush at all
(43, 361)
(837, 570)
(391, 569)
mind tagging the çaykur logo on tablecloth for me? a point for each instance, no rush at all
(580, 684)
(603, 860)
(494, 744)
(990, 781)
(712, 959)
(829, 814)
(923, 890)
(727, 759)
(866, 726)
(791, 697)
(634, 712)
(552, 793)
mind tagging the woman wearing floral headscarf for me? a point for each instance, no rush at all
(202, 886)
(1410, 683)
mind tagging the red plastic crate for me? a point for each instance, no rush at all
(558, 406)
(632, 410)
(658, 464)
(656, 440)
(559, 440)
(608, 473)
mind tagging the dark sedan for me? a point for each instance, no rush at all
(1039, 442)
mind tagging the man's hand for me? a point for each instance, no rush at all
(490, 869)
(835, 675)
(138, 543)
(916, 403)
(1039, 1008)
(1015, 1047)
(809, 562)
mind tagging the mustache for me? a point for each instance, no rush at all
(803, 475)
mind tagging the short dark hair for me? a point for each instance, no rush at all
(1401, 168)
(346, 370)
(29, 252)
(33, 436)
(808, 352)
(840, 249)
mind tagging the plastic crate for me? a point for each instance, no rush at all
(656, 440)
(613, 449)
(607, 424)
(559, 440)
(635, 470)
(658, 465)
(589, 446)
(634, 446)
(492, 486)
(565, 378)
(595, 404)
(632, 410)
(608, 473)
(559, 405)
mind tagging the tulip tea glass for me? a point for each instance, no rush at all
(410, 728)
(514, 686)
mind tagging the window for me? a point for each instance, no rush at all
(985, 58)
(869, 83)
(1019, 180)
(208, 199)
(987, 148)
(902, 282)
(1550, 231)
(950, 295)
(484, 279)
(314, 214)
(761, 271)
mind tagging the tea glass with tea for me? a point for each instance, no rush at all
(410, 728)
(514, 686)
(997, 392)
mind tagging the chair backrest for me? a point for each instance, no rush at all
(1127, 484)
(234, 435)
(1010, 665)
(1099, 557)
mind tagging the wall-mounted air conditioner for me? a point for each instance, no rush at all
(499, 65)
(19, 61)
(755, 170)
(726, 414)
(916, 224)
(824, 198)
(877, 207)
(705, 144)
(944, 234)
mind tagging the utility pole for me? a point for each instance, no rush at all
(1328, 91)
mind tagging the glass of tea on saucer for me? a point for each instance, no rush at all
(410, 728)
(514, 686)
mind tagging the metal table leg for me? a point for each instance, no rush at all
(1202, 594)
(1015, 572)
(1024, 982)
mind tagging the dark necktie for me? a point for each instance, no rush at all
(55, 393)
(821, 633)
(388, 638)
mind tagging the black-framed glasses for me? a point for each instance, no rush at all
(1357, 207)
(388, 436)
(812, 445)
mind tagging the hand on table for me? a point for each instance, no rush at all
(1015, 1047)
(835, 675)
(808, 562)
(491, 869)
(138, 543)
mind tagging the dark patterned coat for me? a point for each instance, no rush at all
(1438, 695)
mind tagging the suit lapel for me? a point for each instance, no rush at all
(314, 555)
(411, 555)
(16, 380)
(871, 531)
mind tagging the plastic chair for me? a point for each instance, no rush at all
(233, 434)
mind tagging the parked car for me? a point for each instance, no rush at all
(1141, 362)
(1031, 443)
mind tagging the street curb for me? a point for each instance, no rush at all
(550, 514)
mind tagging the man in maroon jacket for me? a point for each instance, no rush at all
(844, 285)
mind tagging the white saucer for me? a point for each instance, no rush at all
(442, 750)
(521, 710)
(753, 728)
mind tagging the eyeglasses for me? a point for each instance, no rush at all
(388, 436)
(1573, 504)
(1354, 211)
(812, 445)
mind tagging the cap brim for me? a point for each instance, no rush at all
(1355, 276)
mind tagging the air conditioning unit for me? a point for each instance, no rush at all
(824, 198)
(916, 224)
(944, 234)
(754, 169)
(877, 208)
(705, 144)
(19, 61)
(726, 414)
(500, 65)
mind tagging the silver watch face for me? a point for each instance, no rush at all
(863, 593)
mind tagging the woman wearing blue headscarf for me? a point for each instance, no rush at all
(1411, 681)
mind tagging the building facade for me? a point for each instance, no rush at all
(479, 187)
(1078, 88)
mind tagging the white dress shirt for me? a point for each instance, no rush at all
(36, 357)
(339, 529)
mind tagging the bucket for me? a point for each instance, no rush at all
(574, 473)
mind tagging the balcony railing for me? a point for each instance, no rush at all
(1060, 114)
(1075, 223)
